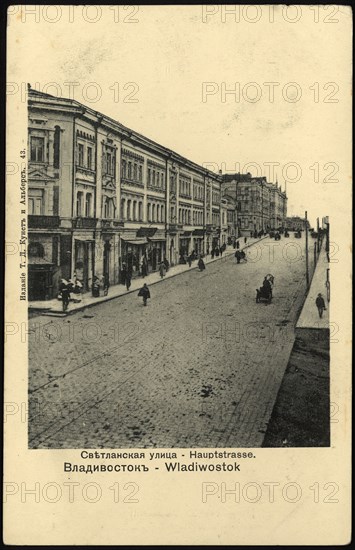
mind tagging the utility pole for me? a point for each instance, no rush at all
(307, 268)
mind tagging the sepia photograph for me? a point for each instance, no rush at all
(178, 272)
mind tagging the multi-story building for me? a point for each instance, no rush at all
(101, 195)
(296, 223)
(261, 206)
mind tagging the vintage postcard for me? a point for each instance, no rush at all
(178, 275)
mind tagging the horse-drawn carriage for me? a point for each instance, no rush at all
(264, 293)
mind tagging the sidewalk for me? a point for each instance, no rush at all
(54, 307)
(309, 318)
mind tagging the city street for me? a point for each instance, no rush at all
(200, 366)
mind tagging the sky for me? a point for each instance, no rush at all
(165, 71)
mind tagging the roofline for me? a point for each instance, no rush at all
(40, 100)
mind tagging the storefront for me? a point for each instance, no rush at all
(84, 258)
(198, 235)
(184, 244)
(156, 250)
(40, 279)
(133, 249)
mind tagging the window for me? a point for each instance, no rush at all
(124, 167)
(35, 205)
(37, 149)
(129, 214)
(123, 204)
(135, 172)
(140, 210)
(129, 170)
(149, 176)
(81, 154)
(153, 177)
(140, 177)
(162, 212)
(134, 215)
(36, 249)
(89, 159)
(149, 212)
(88, 200)
(108, 163)
(106, 209)
(56, 147)
(153, 213)
(79, 204)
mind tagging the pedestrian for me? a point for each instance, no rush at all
(320, 305)
(201, 264)
(144, 267)
(106, 283)
(144, 292)
(123, 274)
(212, 253)
(217, 251)
(162, 270)
(221, 250)
(166, 263)
(245, 240)
(96, 287)
(128, 279)
(237, 255)
(237, 245)
(189, 259)
(65, 294)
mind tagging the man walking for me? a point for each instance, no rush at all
(162, 270)
(144, 292)
(320, 305)
(128, 278)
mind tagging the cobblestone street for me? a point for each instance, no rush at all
(200, 366)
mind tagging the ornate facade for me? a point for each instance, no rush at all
(100, 195)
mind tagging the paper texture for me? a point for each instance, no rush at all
(155, 144)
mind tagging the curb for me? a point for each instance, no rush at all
(61, 314)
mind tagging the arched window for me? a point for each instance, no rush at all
(106, 208)
(36, 249)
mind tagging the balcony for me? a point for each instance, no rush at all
(43, 222)
(84, 223)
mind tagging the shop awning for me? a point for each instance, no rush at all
(198, 232)
(159, 236)
(146, 231)
(135, 241)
